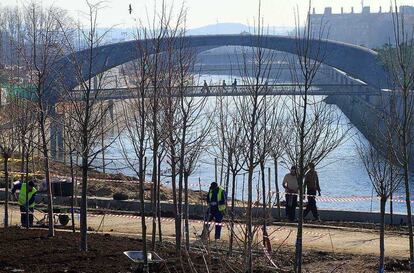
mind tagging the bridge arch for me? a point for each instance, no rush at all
(356, 61)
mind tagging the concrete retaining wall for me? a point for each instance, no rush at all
(197, 211)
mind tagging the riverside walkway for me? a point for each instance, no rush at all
(316, 236)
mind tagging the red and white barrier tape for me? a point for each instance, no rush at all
(341, 199)
(325, 199)
(97, 179)
(271, 229)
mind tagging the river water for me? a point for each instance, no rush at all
(341, 173)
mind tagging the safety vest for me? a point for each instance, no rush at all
(22, 195)
(220, 197)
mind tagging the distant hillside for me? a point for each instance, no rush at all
(222, 28)
(122, 34)
(235, 28)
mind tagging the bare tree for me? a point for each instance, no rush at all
(277, 150)
(271, 121)
(398, 58)
(88, 108)
(71, 147)
(191, 128)
(8, 145)
(170, 107)
(14, 124)
(255, 68)
(231, 142)
(162, 29)
(13, 28)
(196, 124)
(385, 175)
(136, 115)
(314, 126)
(39, 50)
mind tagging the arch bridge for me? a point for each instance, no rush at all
(356, 61)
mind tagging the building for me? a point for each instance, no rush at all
(369, 29)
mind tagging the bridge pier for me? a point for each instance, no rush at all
(56, 136)
(111, 109)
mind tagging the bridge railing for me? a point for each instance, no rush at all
(241, 90)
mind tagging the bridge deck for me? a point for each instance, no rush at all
(287, 89)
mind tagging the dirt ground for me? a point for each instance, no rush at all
(106, 186)
(326, 249)
(32, 251)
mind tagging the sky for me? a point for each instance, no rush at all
(205, 12)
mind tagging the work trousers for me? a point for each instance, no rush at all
(23, 216)
(218, 217)
(291, 204)
(311, 205)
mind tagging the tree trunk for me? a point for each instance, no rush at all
(6, 180)
(405, 145)
(103, 145)
(72, 200)
(249, 233)
(221, 169)
(26, 163)
(391, 194)
(181, 176)
(277, 189)
(382, 246)
(142, 208)
(215, 170)
(391, 210)
(26, 178)
(159, 200)
(409, 220)
(51, 232)
(302, 136)
(228, 173)
(233, 192)
(23, 151)
(264, 228)
(299, 238)
(270, 195)
(186, 212)
(84, 203)
(175, 198)
(154, 193)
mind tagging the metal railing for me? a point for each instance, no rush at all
(283, 89)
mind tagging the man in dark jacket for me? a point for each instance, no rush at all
(312, 186)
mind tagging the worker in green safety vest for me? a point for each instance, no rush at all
(26, 200)
(217, 201)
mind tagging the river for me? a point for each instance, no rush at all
(341, 173)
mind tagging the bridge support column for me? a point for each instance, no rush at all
(53, 149)
(111, 109)
(59, 139)
(95, 82)
(56, 136)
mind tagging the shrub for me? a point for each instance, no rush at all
(120, 196)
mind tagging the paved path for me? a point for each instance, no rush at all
(330, 239)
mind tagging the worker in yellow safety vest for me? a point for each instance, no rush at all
(217, 201)
(26, 200)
